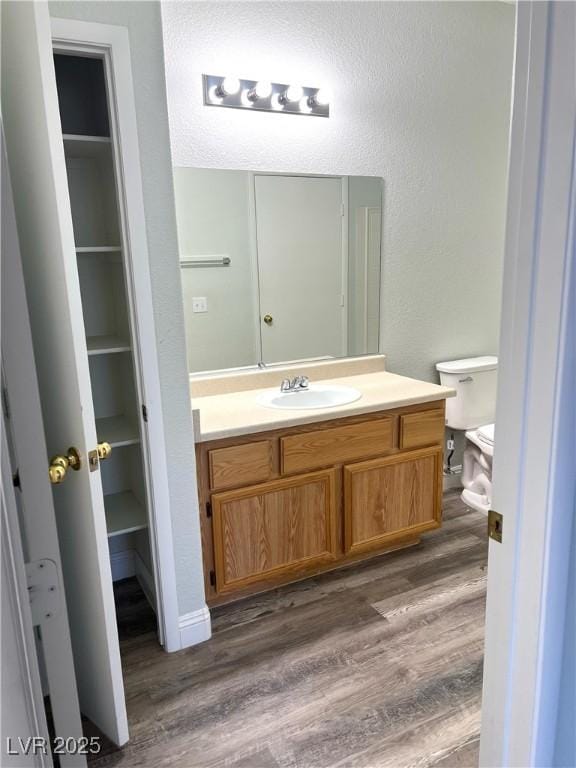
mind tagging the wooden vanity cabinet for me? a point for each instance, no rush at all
(282, 505)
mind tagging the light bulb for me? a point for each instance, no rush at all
(322, 97)
(263, 89)
(304, 104)
(229, 86)
(294, 93)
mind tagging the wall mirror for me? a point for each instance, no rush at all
(278, 267)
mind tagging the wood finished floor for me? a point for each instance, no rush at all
(375, 666)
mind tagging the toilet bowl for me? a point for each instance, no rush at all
(472, 411)
(477, 468)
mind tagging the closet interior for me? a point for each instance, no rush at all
(104, 276)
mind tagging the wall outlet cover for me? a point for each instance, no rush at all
(199, 304)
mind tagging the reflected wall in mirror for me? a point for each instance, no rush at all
(278, 267)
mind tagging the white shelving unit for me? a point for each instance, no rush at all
(90, 164)
(106, 345)
(124, 513)
(117, 430)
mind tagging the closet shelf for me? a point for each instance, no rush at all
(86, 146)
(105, 345)
(117, 430)
(99, 249)
(124, 513)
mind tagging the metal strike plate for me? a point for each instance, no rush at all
(43, 590)
(93, 460)
(495, 525)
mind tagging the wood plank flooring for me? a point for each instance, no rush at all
(374, 666)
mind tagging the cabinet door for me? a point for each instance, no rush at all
(392, 498)
(274, 530)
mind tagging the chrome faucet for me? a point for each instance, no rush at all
(297, 384)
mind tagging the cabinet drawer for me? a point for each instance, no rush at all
(323, 447)
(275, 530)
(241, 465)
(423, 428)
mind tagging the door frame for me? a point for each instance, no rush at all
(254, 264)
(112, 43)
(534, 485)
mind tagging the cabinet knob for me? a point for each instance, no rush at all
(268, 319)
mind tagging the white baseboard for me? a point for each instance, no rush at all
(195, 627)
(123, 564)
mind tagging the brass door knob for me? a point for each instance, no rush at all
(268, 319)
(59, 465)
(104, 451)
(56, 474)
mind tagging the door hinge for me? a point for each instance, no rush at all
(144, 413)
(208, 509)
(43, 590)
(5, 403)
(342, 209)
(495, 525)
(212, 579)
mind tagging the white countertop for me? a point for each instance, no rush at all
(238, 413)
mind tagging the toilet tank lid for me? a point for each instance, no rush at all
(469, 365)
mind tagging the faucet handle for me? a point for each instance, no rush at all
(304, 382)
(285, 386)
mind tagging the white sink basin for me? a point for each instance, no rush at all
(316, 396)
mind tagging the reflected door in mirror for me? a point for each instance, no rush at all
(301, 267)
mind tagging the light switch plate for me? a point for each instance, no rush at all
(199, 304)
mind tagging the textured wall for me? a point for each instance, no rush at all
(421, 98)
(144, 24)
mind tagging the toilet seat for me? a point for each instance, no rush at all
(483, 437)
(486, 434)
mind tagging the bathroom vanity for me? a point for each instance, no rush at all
(285, 495)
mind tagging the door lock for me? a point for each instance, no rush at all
(59, 465)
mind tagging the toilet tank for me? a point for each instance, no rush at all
(474, 380)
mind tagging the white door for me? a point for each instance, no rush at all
(28, 457)
(301, 270)
(530, 588)
(37, 168)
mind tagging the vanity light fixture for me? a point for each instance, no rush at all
(264, 96)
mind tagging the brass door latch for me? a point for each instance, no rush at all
(59, 465)
(102, 452)
(495, 525)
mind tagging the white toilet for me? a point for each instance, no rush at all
(473, 410)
